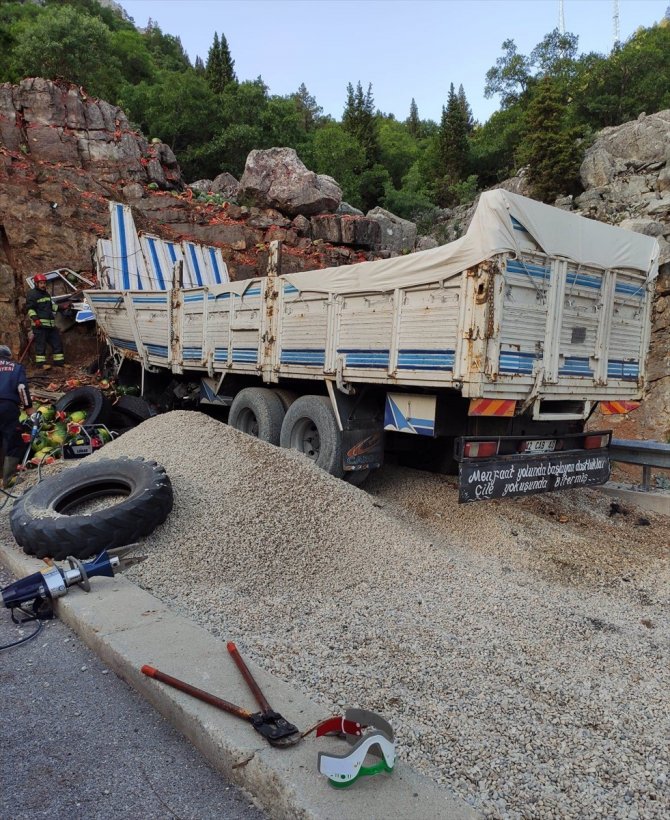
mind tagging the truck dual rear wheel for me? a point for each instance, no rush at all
(258, 412)
(310, 428)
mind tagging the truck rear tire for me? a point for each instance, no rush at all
(310, 428)
(287, 397)
(357, 477)
(257, 412)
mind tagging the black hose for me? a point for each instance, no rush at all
(31, 617)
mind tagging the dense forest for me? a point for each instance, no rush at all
(552, 101)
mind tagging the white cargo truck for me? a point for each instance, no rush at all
(488, 354)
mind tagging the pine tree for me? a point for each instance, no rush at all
(465, 107)
(550, 146)
(219, 69)
(227, 63)
(359, 120)
(452, 139)
(413, 122)
(199, 66)
(310, 111)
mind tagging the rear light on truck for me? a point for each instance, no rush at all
(596, 442)
(480, 449)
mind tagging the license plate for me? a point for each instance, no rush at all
(541, 445)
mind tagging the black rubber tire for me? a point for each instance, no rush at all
(134, 407)
(42, 526)
(89, 399)
(258, 412)
(287, 397)
(356, 477)
(120, 423)
(311, 428)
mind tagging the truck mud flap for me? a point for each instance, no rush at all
(362, 449)
(507, 476)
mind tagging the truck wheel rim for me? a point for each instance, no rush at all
(305, 438)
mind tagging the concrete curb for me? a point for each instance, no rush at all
(127, 627)
(657, 501)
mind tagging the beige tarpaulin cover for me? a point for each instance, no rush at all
(556, 233)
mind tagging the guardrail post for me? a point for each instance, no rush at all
(646, 477)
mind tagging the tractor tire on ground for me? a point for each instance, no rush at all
(51, 519)
(90, 399)
(311, 428)
(258, 412)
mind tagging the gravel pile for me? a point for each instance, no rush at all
(520, 649)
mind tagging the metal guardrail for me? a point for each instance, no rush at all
(646, 453)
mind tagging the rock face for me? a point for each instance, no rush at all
(634, 147)
(276, 178)
(57, 123)
(397, 235)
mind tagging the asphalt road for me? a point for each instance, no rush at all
(77, 742)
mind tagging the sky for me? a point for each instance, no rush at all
(405, 48)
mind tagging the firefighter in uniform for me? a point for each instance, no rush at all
(42, 312)
(14, 394)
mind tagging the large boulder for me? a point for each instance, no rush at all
(634, 146)
(276, 178)
(226, 185)
(397, 235)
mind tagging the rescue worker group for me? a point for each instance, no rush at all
(14, 390)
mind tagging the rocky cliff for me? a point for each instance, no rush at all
(64, 155)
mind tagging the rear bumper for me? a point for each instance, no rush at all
(505, 476)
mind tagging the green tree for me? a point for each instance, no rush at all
(334, 151)
(178, 107)
(550, 145)
(635, 77)
(372, 186)
(308, 108)
(166, 49)
(359, 120)
(132, 55)
(509, 77)
(236, 128)
(465, 108)
(281, 124)
(452, 146)
(555, 55)
(63, 43)
(493, 146)
(412, 200)
(413, 122)
(398, 150)
(220, 67)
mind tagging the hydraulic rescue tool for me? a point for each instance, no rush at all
(43, 587)
(274, 728)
